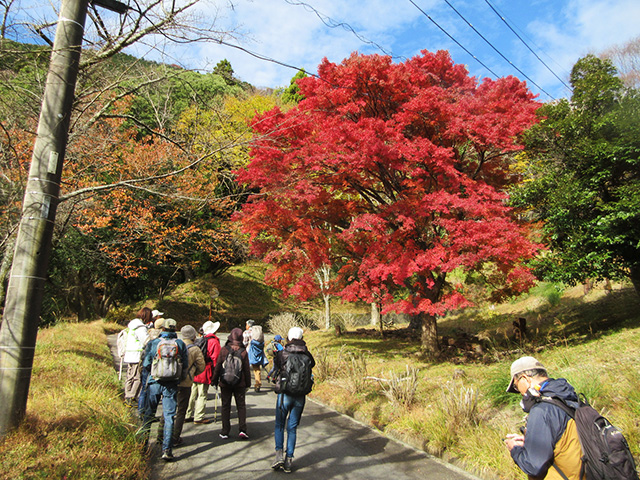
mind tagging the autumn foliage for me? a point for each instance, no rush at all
(394, 175)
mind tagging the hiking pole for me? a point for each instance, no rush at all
(120, 371)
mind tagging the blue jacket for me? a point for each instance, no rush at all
(151, 349)
(256, 353)
(545, 426)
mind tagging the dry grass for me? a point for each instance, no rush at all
(461, 411)
(76, 426)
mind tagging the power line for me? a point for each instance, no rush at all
(451, 37)
(526, 44)
(331, 23)
(496, 50)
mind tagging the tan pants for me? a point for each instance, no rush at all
(257, 371)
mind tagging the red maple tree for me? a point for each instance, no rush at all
(394, 174)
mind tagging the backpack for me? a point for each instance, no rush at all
(122, 342)
(167, 365)
(295, 377)
(605, 451)
(232, 368)
(203, 345)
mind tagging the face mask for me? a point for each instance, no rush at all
(529, 399)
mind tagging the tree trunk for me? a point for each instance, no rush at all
(430, 344)
(327, 310)
(375, 314)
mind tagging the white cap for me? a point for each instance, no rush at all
(295, 333)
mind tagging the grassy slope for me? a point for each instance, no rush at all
(76, 426)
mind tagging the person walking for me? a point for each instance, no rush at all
(257, 357)
(246, 335)
(164, 359)
(274, 347)
(135, 340)
(294, 380)
(200, 387)
(550, 444)
(233, 374)
(195, 367)
(153, 333)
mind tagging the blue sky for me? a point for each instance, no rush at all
(560, 32)
(302, 32)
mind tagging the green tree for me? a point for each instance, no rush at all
(292, 94)
(584, 178)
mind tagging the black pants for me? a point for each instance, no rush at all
(226, 392)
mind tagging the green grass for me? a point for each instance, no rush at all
(590, 340)
(76, 426)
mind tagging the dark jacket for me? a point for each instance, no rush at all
(234, 342)
(546, 426)
(294, 346)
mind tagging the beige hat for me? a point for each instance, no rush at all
(169, 324)
(210, 327)
(158, 324)
(522, 365)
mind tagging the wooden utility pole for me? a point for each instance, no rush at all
(33, 245)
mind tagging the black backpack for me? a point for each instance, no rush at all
(203, 345)
(295, 377)
(232, 368)
(605, 451)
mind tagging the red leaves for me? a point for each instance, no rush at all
(392, 174)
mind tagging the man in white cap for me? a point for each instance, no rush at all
(201, 382)
(550, 447)
(293, 382)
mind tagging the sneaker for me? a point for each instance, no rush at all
(279, 461)
(204, 421)
(223, 436)
(178, 442)
(286, 466)
(243, 436)
(188, 419)
(167, 456)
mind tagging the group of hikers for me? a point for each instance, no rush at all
(178, 370)
(564, 438)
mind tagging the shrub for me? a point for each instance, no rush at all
(282, 322)
(459, 404)
(401, 389)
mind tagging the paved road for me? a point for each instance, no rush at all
(329, 446)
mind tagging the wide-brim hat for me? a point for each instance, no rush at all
(210, 327)
(522, 365)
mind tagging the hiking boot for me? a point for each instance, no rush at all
(178, 442)
(279, 461)
(243, 436)
(204, 421)
(167, 456)
(286, 466)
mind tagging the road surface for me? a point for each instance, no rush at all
(329, 446)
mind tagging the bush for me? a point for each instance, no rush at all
(401, 389)
(282, 322)
(459, 404)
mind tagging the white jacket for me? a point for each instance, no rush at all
(135, 341)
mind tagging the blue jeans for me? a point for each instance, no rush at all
(142, 400)
(169, 394)
(288, 405)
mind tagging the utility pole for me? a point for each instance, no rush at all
(25, 291)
